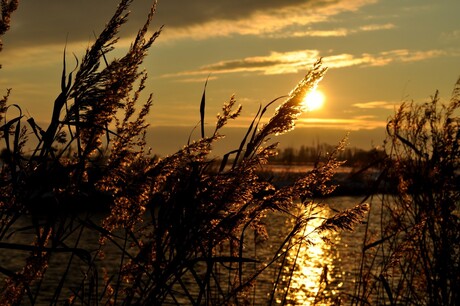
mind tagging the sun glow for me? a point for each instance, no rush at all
(313, 100)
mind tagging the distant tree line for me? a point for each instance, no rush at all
(353, 157)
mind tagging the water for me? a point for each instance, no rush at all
(325, 271)
(319, 272)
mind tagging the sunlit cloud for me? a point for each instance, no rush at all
(376, 105)
(377, 27)
(351, 124)
(298, 61)
(319, 33)
(343, 60)
(382, 58)
(340, 32)
(401, 55)
(274, 63)
(268, 22)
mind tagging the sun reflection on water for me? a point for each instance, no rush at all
(311, 277)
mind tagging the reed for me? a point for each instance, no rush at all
(178, 228)
(414, 258)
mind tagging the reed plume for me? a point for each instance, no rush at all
(178, 226)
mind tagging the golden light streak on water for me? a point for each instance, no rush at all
(310, 268)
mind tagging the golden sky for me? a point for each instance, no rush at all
(379, 53)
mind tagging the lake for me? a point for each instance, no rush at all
(319, 272)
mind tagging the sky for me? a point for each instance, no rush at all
(379, 53)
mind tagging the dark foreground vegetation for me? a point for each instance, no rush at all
(181, 231)
(415, 257)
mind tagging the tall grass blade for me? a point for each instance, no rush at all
(202, 108)
(244, 140)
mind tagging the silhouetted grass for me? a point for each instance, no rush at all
(179, 230)
(414, 259)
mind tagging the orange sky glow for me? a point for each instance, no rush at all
(378, 53)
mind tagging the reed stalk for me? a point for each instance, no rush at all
(179, 230)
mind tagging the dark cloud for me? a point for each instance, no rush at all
(50, 21)
(178, 13)
(240, 64)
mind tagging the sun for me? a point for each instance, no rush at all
(313, 100)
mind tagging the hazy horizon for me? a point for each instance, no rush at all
(166, 140)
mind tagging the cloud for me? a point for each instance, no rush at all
(343, 60)
(377, 105)
(267, 19)
(339, 32)
(185, 13)
(377, 27)
(199, 80)
(401, 55)
(352, 124)
(365, 117)
(49, 21)
(383, 58)
(319, 33)
(55, 22)
(297, 61)
(274, 63)
(451, 36)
